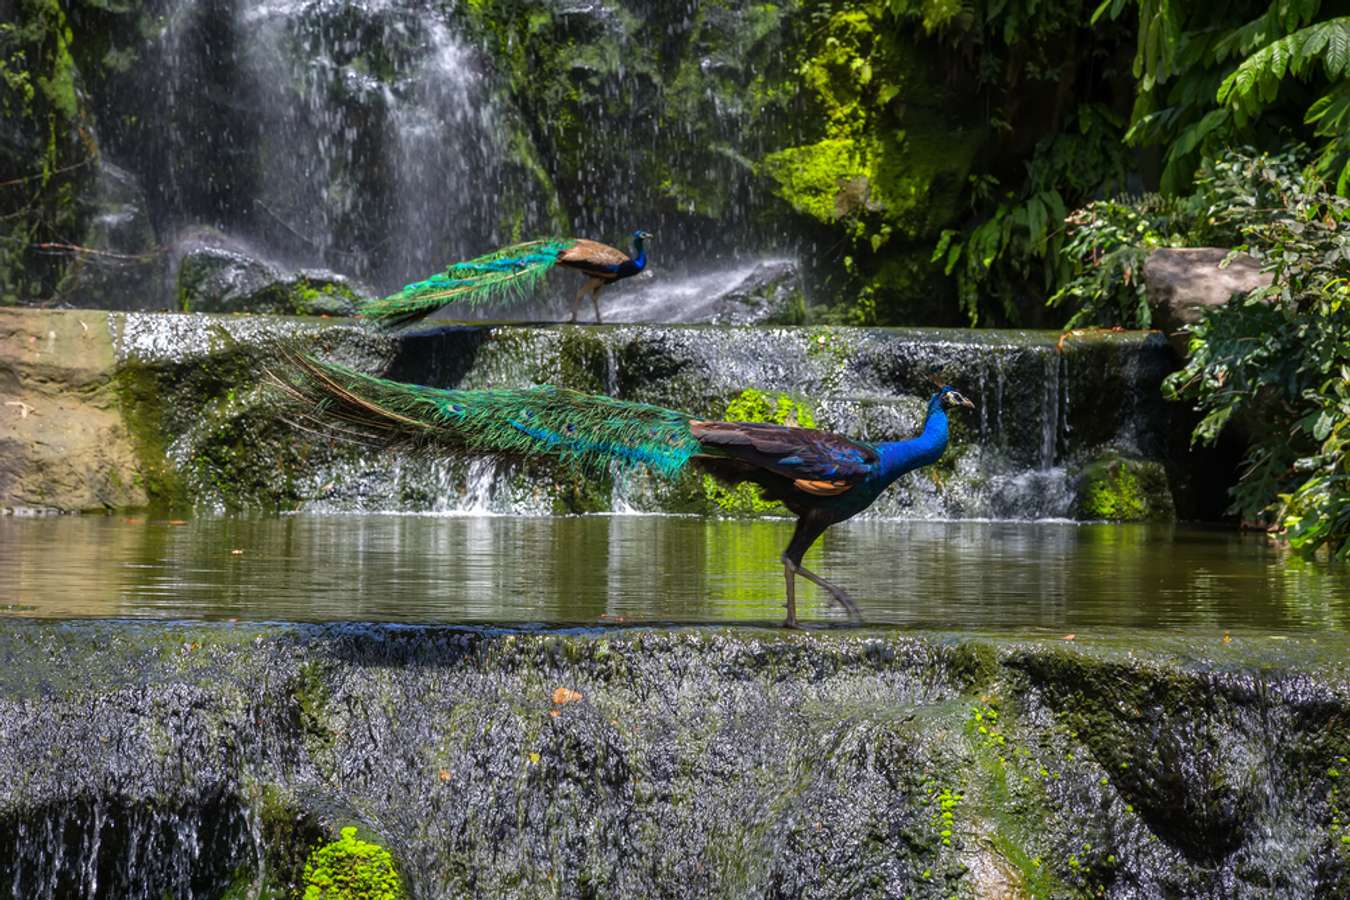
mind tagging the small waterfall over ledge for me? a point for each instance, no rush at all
(1046, 410)
(212, 758)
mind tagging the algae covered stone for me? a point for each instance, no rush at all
(350, 868)
(1118, 489)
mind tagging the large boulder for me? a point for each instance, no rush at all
(64, 444)
(227, 279)
(122, 267)
(1184, 283)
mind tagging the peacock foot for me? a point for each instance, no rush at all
(847, 603)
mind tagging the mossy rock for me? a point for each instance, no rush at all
(350, 868)
(1117, 489)
(213, 279)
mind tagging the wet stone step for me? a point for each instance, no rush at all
(160, 759)
(180, 413)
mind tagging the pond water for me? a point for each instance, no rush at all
(656, 569)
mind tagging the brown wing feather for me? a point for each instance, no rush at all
(819, 460)
(585, 252)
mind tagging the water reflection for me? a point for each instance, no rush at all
(637, 569)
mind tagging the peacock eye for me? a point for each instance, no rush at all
(571, 428)
(456, 408)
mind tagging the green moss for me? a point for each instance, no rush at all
(825, 180)
(351, 869)
(141, 398)
(1006, 799)
(311, 700)
(753, 405)
(1124, 490)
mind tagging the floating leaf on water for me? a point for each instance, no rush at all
(1070, 637)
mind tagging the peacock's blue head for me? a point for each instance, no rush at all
(639, 236)
(948, 396)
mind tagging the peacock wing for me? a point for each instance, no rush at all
(818, 461)
(592, 256)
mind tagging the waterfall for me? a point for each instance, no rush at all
(359, 136)
(379, 140)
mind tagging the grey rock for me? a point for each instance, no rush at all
(123, 266)
(771, 294)
(1172, 769)
(213, 279)
(1184, 283)
(223, 279)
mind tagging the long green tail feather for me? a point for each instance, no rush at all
(585, 430)
(506, 274)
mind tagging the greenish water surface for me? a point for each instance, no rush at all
(653, 569)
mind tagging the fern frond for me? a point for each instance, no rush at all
(1255, 83)
(587, 431)
(505, 274)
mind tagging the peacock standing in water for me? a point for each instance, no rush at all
(510, 273)
(823, 478)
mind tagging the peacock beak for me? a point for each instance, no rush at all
(957, 399)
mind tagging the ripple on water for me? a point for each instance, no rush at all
(634, 568)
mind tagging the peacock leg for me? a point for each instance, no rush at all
(808, 529)
(788, 572)
(836, 592)
(595, 300)
(576, 301)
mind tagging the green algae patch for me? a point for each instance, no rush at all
(822, 180)
(753, 405)
(352, 869)
(1124, 490)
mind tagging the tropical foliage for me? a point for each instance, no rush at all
(1277, 363)
(1047, 79)
(1274, 365)
(1212, 75)
(1108, 242)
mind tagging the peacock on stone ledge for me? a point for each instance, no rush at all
(510, 274)
(823, 478)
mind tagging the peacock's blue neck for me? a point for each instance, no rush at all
(639, 254)
(899, 457)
